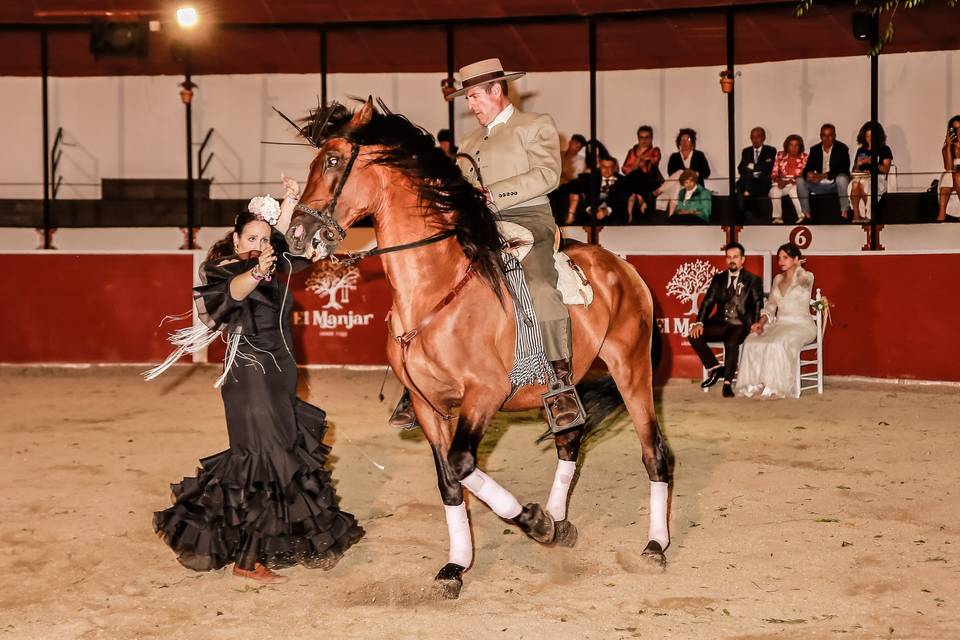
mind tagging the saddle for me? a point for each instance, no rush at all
(571, 283)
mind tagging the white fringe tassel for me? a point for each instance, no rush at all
(186, 340)
(233, 345)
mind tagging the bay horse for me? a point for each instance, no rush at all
(452, 318)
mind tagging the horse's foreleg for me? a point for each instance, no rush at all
(568, 448)
(471, 425)
(632, 371)
(449, 579)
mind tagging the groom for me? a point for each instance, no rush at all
(737, 297)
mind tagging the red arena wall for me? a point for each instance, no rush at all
(889, 319)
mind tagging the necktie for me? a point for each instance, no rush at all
(756, 155)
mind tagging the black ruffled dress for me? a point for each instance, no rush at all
(268, 498)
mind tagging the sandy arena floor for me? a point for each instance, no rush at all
(829, 517)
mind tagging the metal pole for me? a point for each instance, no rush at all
(44, 75)
(323, 67)
(451, 50)
(731, 111)
(189, 118)
(874, 119)
(593, 147)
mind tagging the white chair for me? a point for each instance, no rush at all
(812, 377)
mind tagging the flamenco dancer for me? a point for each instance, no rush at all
(266, 502)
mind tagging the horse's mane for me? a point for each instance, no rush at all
(443, 190)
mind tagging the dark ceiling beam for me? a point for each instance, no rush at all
(639, 14)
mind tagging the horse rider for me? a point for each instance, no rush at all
(517, 155)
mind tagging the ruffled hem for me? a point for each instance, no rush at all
(277, 508)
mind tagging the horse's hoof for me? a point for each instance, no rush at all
(566, 533)
(448, 582)
(653, 554)
(537, 523)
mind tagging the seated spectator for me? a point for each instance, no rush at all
(573, 163)
(445, 142)
(574, 158)
(641, 168)
(694, 202)
(950, 179)
(730, 306)
(827, 171)
(581, 184)
(863, 168)
(612, 195)
(756, 165)
(768, 358)
(787, 167)
(686, 157)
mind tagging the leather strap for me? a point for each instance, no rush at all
(405, 339)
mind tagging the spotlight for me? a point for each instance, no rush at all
(187, 17)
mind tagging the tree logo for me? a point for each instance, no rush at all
(690, 282)
(335, 280)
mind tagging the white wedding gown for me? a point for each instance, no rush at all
(768, 361)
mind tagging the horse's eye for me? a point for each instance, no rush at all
(332, 161)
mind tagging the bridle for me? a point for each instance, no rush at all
(331, 233)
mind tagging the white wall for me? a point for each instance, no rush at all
(133, 126)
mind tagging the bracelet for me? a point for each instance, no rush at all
(255, 273)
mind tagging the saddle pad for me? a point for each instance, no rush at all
(572, 283)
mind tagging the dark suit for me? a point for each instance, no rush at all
(754, 175)
(614, 195)
(698, 162)
(736, 310)
(839, 161)
(838, 172)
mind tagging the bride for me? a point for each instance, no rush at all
(768, 362)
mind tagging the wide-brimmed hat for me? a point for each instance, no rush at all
(483, 72)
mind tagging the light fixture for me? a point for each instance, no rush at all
(187, 17)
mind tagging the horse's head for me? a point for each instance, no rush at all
(340, 189)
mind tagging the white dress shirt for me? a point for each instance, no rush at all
(501, 118)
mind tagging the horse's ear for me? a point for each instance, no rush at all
(363, 115)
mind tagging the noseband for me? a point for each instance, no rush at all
(330, 230)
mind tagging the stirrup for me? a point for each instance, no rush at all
(582, 414)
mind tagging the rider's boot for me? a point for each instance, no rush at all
(403, 416)
(562, 404)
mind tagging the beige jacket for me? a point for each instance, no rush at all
(519, 160)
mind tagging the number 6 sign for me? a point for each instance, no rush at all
(802, 237)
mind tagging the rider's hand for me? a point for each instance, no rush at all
(267, 260)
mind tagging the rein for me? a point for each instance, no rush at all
(356, 256)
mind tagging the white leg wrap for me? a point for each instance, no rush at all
(557, 502)
(458, 526)
(659, 495)
(496, 497)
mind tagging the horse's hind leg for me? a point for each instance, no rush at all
(629, 363)
(568, 448)
(475, 415)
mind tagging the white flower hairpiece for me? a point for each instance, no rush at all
(265, 208)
